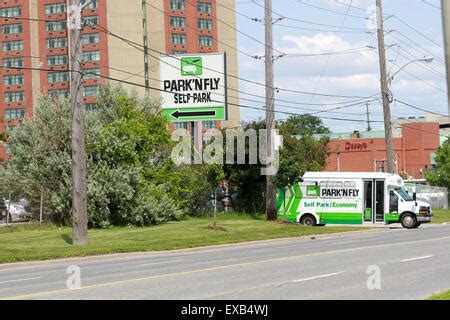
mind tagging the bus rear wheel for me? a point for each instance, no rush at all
(308, 220)
(409, 221)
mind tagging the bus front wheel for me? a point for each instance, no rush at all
(409, 221)
(308, 220)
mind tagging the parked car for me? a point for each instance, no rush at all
(17, 212)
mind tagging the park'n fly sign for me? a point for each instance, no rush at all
(193, 88)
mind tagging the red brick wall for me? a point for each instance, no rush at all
(413, 151)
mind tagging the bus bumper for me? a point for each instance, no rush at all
(424, 218)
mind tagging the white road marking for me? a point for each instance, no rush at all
(418, 258)
(20, 280)
(160, 262)
(318, 277)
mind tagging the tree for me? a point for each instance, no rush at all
(129, 170)
(301, 152)
(441, 176)
(303, 125)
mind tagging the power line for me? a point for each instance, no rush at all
(431, 4)
(317, 30)
(349, 51)
(421, 109)
(330, 10)
(283, 17)
(170, 92)
(417, 31)
(334, 46)
(138, 45)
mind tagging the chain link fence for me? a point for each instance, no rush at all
(20, 203)
(436, 196)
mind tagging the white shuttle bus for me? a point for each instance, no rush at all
(352, 198)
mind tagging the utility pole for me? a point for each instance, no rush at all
(369, 127)
(446, 23)
(385, 92)
(79, 193)
(271, 206)
(145, 32)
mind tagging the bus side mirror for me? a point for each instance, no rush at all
(415, 196)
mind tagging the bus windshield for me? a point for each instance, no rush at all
(404, 194)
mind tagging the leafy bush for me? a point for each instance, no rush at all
(129, 172)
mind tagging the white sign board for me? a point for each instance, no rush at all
(193, 87)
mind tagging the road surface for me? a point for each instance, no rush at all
(411, 264)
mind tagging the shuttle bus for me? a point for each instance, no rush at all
(351, 198)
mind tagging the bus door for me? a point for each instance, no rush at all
(379, 201)
(374, 201)
(368, 201)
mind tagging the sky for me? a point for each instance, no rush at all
(311, 28)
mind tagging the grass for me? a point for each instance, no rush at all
(441, 296)
(441, 216)
(43, 242)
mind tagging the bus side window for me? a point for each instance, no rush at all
(393, 202)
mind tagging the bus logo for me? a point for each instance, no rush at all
(312, 191)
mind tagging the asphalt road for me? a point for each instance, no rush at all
(412, 264)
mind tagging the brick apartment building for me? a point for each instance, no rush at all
(34, 35)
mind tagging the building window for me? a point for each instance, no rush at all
(177, 22)
(205, 41)
(209, 125)
(14, 97)
(56, 43)
(90, 38)
(205, 24)
(13, 62)
(177, 38)
(55, 26)
(57, 60)
(204, 7)
(177, 4)
(90, 91)
(90, 106)
(179, 52)
(11, 12)
(59, 94)
(13, 114)
(91, 74)
(55, 8)
(55, 77)
(92, 5)
(180, 125)
(16, 79)
(16, 45)
(90, 20)
(91, 55)
(12, 28)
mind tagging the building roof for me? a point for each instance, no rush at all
(348, 135)
(349, 175)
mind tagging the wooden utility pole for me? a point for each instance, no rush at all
(79, 194)
(446, 23)
(369, 127)
(385, 92)
(271, 206)
(145, 32)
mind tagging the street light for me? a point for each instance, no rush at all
(425, 59)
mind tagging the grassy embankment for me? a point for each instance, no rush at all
(441, 216)
(35, 242)
(441, 296)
